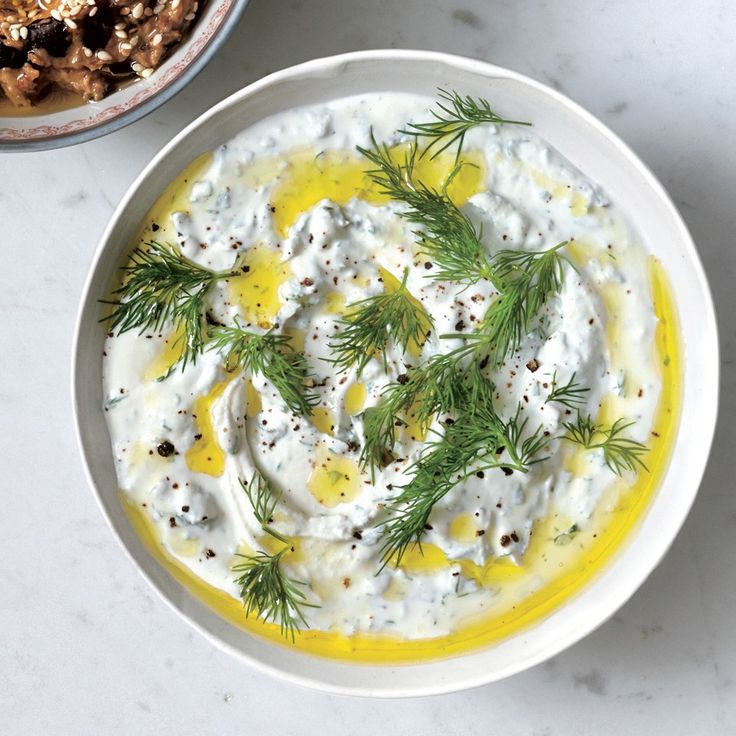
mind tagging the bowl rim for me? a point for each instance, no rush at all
(637, 576)
(158, 98)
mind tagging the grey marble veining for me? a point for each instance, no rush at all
(85, 646)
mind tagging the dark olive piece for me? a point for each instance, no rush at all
(49, 34)
(120, 69)
(11, 58)
(98, 29)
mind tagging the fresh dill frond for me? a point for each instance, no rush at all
(371, 324)
(447, 235)
(619, 453)
(447, 380)
(581, 431)
(524, 448)
(264, 587)
(379, 427)
(269, 593)
(537, 273)
(434, 475)
(524, 279)
(263, 500)
(527, 279)
(190, 318)
(454, 117)
(163, 286)
(410, 512)
(478, 439)
(272, 356)
(441, 385)
(571, 394)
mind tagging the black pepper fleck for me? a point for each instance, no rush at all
(165, 448)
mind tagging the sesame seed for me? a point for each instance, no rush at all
(121, 34)
(119, 26)
(158, 8)
(189, 16)
(157, 39)
(146, 72)
(70, 23)
(55, 14)
(126, 47)
(103, 55)
(136, 67)
(23, 33)
(15, 34)
(93, 11)
(174, 4)
(87, 52)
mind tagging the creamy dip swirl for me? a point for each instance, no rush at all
(288, 195)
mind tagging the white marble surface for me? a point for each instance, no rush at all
(85, 647)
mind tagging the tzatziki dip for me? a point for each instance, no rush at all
(387, 377)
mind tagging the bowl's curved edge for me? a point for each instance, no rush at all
(145, 108)
(333, 65)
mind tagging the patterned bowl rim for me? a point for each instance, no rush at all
(148, 99)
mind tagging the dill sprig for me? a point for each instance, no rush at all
(478, 439)
(454, 117)
(439, 385)
(271, 355)
(524, 279)
(379, 427)
(527, 280)
(524, 448)
(371, 324)
(571, 394)
(265, 589)
(163, 286)
(534, 274)
(619, 453)
(269, 593)
(447, 237)
(263, 500)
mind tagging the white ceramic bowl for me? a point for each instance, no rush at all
(592, 148)
(85, 122)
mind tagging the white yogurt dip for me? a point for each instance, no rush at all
(600, 328)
